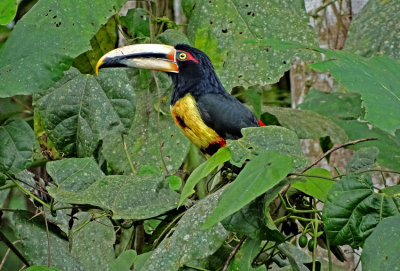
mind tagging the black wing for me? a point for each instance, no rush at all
(225, 114)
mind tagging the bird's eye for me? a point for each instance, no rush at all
(182, 56)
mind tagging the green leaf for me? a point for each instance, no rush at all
(254, 221)
(175, 183)
(92, 243)
(16, 146)
(74, 174)
(40, 268)
(189, 241)
(44, 58)
(141, 144)
(80, 110)
(32, 232)
(258, 176)
(8, 10)
(381, 249)
(172, 37)
(127, 197)
(299, 260)
(392, 190)
(363, 159)
(225, 25)
(375, 31)
(314, 186)
(103, 42)
(244, 258)
(307, 124)
(260, 139)
(353, 210)
(125, 261)
(220, 157)
(137, 22)
(345, 106)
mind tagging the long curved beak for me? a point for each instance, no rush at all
(157, 57)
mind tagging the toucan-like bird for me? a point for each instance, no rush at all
(204, 111)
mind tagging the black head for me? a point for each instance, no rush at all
(196, 73)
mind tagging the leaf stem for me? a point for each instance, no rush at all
(27, 192)
(316, 221)
(328, 247)
(127, 154)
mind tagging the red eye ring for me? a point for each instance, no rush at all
(185, 56)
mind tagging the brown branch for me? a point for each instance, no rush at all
(233, 253)
(335, 149)
(13, 248)
(159, 96)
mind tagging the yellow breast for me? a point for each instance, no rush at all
(187, 117)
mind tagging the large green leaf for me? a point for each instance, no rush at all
(80, 110)
(16, 146)
(141, 144)
(31, 61)
(124, 261)
(353, 210)
(315, 186)
(345, 106)
(127, 197)
(189, 241)
(381, 249)
(258, 140)
(375, 30)
(34, 245)
(74, 174)
(221, 156)
(8, 10)
(299, 260)
(136, 21)
(258, 176)
(363, 159)
(308, 124)
(219, 28)
(92, 243)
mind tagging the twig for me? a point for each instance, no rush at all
(335, 149)
(233, 253)
(3, 261)
(13, 248)
(127, 155)
(48, 239)
(159, 96)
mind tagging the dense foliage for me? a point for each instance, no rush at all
(94, 175)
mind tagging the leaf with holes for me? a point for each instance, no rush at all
(226, 24)
(30, 61)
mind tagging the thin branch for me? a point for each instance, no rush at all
(159, 95)
(127, 155)
(3, 261)
(335, 149)
(13, 248)
(311, 176)
(233, 253)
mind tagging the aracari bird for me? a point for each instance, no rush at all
(204, 111)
